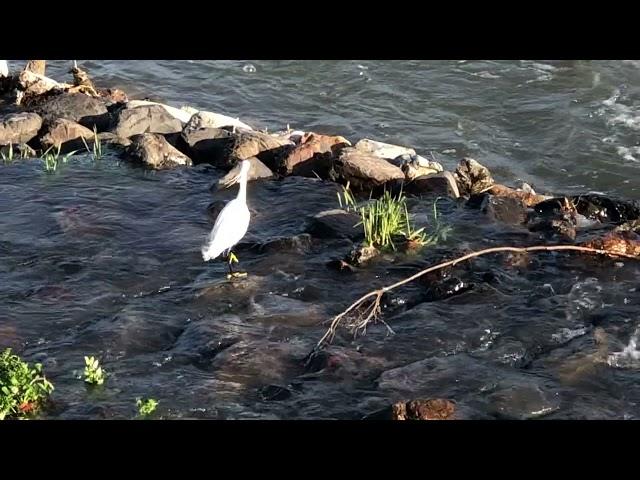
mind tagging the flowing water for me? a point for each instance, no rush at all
(103, 258)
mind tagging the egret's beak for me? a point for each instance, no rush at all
(231, 181)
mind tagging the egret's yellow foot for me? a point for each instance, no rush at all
(236, 275)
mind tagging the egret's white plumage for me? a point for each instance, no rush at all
(232, 222)
(4, 68)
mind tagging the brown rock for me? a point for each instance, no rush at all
(114, 95)
(363, 171)
(19, 128)
(528, 199)
(63, 131)
(207, 145)
(255, 144)
(154, 151)
(312, 156)
(472, 177)
(36, 66)
(146, 119)
(81, 108)
(626, 242)
(432, 409)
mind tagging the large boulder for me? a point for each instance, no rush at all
(363, 171)
(65, 134)
(88, 111)
(442, 183)
(206, 145)
(146, 119)
(311, 157)
(154, 151)
(19, 128)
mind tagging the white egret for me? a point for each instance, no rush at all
(232, 222)
(4, 68)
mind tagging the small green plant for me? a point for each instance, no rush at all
(146, 406)
(22, 388)
(8, 157)
(386, 219)
(93, 372)
(96, 151)
(51, 158)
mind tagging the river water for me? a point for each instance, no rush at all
(103, 258)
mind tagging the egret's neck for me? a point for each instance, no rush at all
(242, 193)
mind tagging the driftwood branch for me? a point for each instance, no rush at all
(367, 308)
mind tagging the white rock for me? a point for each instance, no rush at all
(383, 150)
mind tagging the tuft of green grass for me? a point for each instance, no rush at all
(96, 151)
(386, 220)
(146, 406)
(22, 388)
(51, 158)
(93, 372)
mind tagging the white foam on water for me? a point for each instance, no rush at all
(629, 357)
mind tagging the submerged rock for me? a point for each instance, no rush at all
(364, 171)
(472, 177)
(361, 254)
(18, 128)
(504, 209)
(432, 409)
(154, 151)
(335, 223)
(145, 119)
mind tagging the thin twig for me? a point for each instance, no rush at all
(375, 296)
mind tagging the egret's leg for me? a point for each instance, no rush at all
(234, 259)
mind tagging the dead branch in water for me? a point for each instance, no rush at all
(357, 322)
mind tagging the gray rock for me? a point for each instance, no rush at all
(206, 145)
(146, 119)
(19, 128)
(65, 134)
(442, 183)
(87, 111)
(382, 150)
(335, 223)
(364, 171)
(472, 177)
(258, 170)
(154, 151)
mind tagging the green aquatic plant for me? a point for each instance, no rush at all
(146, 406)
(93, 372)
(51, 158)
(23, 388)
(96, 151)
(386, 220)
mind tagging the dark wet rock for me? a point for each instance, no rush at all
(257, 171)
(296, 243)
(311, 157)
(285, 310)
(18, 128)
(446, 288)
(594, 207)
(505, 209)
(207, 145)
(554, 220)
(361, 254)
(382, 150)
(145, 119)
(88, 111)
(345, 363)
(341, 266)
(335, 223)
(364, 171)
(259, 362)
(274, 393)
(472, 177)
(154, 151)
(442, 183)
(64, 134)
(523, 401)
(202, 340)
(510, 352)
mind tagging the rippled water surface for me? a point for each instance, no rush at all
(103, 258)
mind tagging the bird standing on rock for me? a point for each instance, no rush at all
(231, 224)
